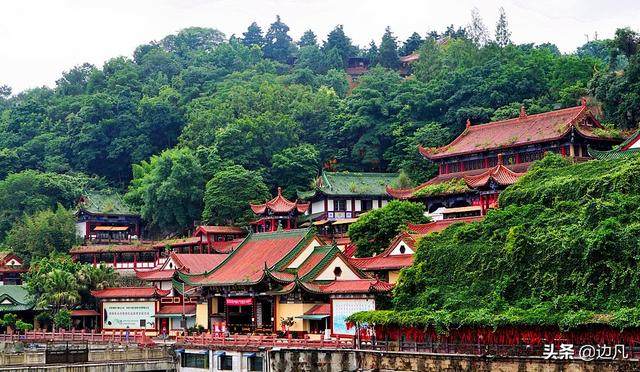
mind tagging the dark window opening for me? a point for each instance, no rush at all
(337, 271)
(195, 361)
(225, 363)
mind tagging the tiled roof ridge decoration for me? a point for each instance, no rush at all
(435, 226)
(546, 129)
(500, 174)
(408, 193)
(350, 183)
(130, 292)
(623, 150)
(280, 204)
(104, 202)
(279, 247)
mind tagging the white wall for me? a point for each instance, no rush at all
(396, 249)
(304, 254)
(347, 273)
(317, 206)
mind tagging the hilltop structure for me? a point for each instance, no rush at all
(486, 158)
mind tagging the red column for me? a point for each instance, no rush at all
(461, 166)
(446, 168)
(517, 158)
(486, 162)
(135, 261)
(95, 262)
(562, 152)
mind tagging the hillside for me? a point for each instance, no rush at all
(562, 250)
(191, 106)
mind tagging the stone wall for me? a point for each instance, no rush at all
(350, 360)
(14, 357)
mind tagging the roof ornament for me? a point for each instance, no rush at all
(500, 160)
(583, 102)
(279, 191)
(468, 123)
(523, 112)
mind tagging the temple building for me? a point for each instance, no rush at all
(339, 198)
(278, 211)
(387, 265)
(162, 276)
(125, 258)
(406, 62)
(15, 299)
(106, 218)
(486, 158)
(628, 148)
(356, 67)
(282, 280)
(11, 269)
(206, 240)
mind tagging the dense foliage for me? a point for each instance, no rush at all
(58, 283)
(45, 231)
(562, 250)
(374, 230)
(166, 121)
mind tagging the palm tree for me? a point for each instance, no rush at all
(60, 290)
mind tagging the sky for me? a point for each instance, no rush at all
(41, 39)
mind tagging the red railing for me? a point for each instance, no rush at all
(267, 341)
(138, 337)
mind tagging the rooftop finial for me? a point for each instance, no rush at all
(279, 190)
(500, 162)
(523, 112)
(468, 123)
(583, 102)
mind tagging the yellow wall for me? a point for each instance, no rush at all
(202, 314)
(214, 306)
(393, 276)
(292, 310)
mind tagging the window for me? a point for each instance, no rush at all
(337, 271)
(255, 363)
(340, 205)
(366, 205)
(225, 363)
(195, 360)
(403, 249)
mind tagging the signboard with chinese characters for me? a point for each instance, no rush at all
(246, 301)
(135, 315)
(341, 308)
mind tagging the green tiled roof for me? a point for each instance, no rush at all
(617, 153)
(105, 203)
(351, 183)
(14, 298)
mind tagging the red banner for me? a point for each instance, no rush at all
(239, 301)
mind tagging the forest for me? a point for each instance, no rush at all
(196, 125)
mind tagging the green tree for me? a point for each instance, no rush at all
(43, 232)
(373, 54)
(278, 44)
(9, 320)
(229, 192)
(412, 44)
(168, 189)
(31, 191)
(373, 231)
(308, 38)
(503, 35)
(337, 40)
(252, 141)
(389, 50)
(56, 282)
(62, 319)
(253, 36)
(297, 165)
